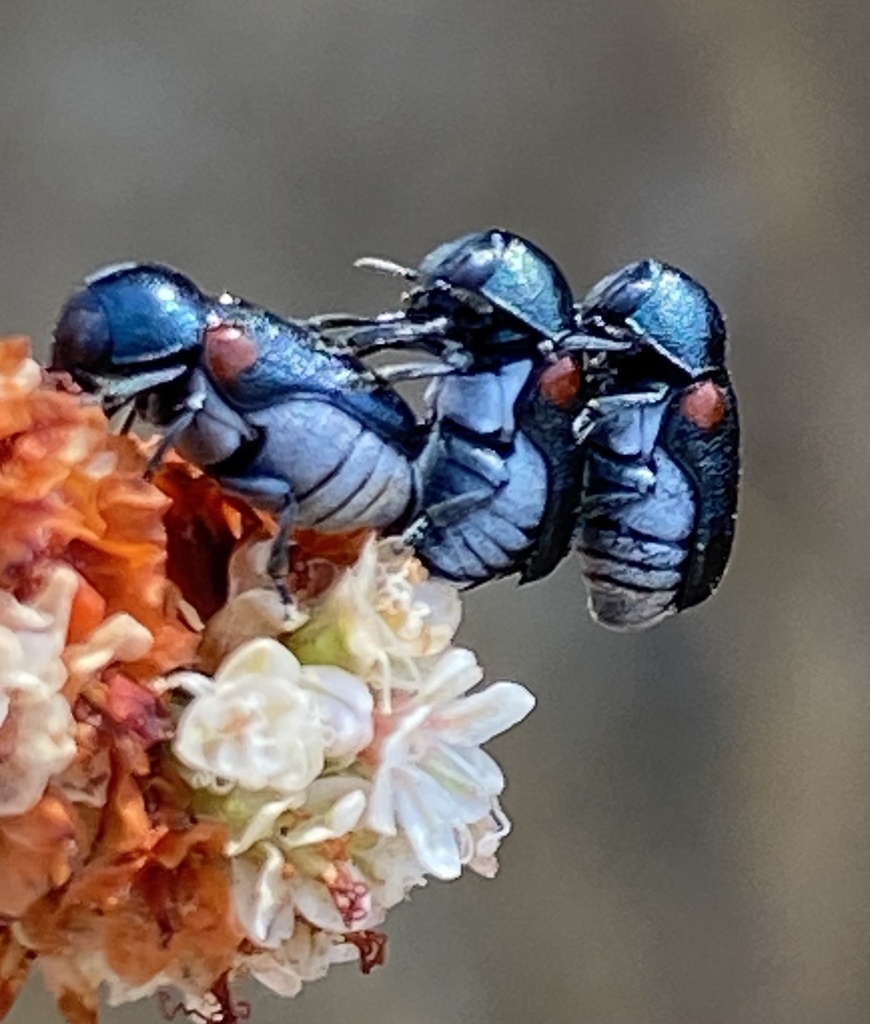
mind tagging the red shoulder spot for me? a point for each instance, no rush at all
(705, 404)
(228, 351)
(560, 382)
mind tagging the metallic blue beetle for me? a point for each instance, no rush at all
(648, 480)
(499, 474)
(259, 402)
(661, 435)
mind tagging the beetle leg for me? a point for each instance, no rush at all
(394, 330)
(273, 494)
(171, 434)
(129, 419)
(116, 390)
(582, 342)
(279, 557)
(337, 321)
(386, 266)
(620, 484)
(598, 409)
(413, 371)
(443, 514)
(656, 393)
(175, 428)
(587, 422)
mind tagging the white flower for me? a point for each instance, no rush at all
(381, 617)
(253, 608)
(305, 956)
(252, 724)
(432, 779)
(278, 872)
(263, 721)
(392, 867)
(36, 724)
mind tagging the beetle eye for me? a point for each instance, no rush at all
(81, 338)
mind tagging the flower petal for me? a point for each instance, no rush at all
(263, 899)
(118, 638)
(193, 683)
(44, 745)
(346, 706)
(476, 719)
(454, 673)
(441, 608)
(263, 656)
(470, 776)
(425, 813)
(381, 813)
(260, 825)
(339, 819)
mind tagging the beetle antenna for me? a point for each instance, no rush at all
(383, 266)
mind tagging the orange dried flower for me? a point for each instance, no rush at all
(15, 963)
(38, 851)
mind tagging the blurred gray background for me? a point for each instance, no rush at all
(692, 841)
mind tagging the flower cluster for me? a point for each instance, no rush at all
(198, 783)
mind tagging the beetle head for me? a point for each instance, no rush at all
(492, 283)
(649, 304)
(507, 272)
(128, 320)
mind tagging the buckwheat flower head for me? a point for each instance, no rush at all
(199, 780)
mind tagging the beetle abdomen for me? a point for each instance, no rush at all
(342, 474)
(634, 556)
(489, 539)
(633, 581)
